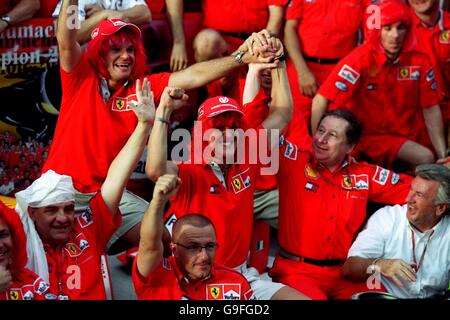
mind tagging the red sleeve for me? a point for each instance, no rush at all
(387, 186)
(70, 81)
(294, 10)
(343, 81)
(158, 82)
(256, 112)
(103, 223)
(429, 87)
(277, 2)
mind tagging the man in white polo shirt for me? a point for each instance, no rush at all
(408, 245)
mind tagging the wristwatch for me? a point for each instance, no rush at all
(238, 56)
(6, 18)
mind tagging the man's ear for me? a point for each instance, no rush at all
(441, 209)
(32, 213)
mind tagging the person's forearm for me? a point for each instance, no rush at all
(151, 248)
(175, 10)
(201, 73)
(139, 14)
(123, 165)
(252, 86)
(292, 45)
(319, 106)
(281, 105)
(67, 29)
(435, 128)
(356, 269)
(86, 26)
(156, 164)
(69, 49)
(275, 22)
(23, 10)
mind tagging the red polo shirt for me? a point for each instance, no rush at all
(387, 98)
(27, 286)
(238, 15)
(90, 132)
(436, 42)
(79, 258)
(327, 28)
(320, 211)
(167, 282)
(230, 209)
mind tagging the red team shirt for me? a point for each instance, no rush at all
(387, 98)
(321, 212)
(92, 230)
(28, 286)
(236, 16)
(167, 282)
(90, 132)
(436, 42)
(327, 28)
(230, 209)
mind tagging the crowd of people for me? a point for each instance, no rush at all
(339, 105)
(21, 162)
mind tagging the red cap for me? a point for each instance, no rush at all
(217, 105)
(109, 27)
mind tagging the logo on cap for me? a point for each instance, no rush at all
(223, 99)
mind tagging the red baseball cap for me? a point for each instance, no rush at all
(109, 27)
(217, 105)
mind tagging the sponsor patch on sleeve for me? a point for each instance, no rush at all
(291, 151)
(349, 74)
(430, 75)
(381, 175)
(341, 86)
(395, 178)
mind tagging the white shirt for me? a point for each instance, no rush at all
(118, 5)
(388, 236)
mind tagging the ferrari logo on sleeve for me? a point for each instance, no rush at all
(445, 37)
(73, 250)
(237, 183)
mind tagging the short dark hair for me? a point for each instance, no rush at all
(192, 219)
(354, 127)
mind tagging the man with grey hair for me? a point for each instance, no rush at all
(408, 245)
(68, 250)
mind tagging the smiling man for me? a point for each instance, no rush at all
(95, 117)
(390, 86)
(190, 273)
(323, 197)
(410, 244)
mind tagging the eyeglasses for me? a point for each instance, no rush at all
(196, 248)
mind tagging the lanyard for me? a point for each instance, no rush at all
(416, 266)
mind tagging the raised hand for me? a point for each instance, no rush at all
(173, 99)
(166, 186)
(145, 107)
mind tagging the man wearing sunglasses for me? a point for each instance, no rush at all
(190, 273)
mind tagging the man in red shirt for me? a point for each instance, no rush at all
(433, 29)
(16, 281)
(227, 23)
(317, 35)
(323, 197)
(389, 84)
(68, 250)
(215, 186)
(190, 273)
(95, 119)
